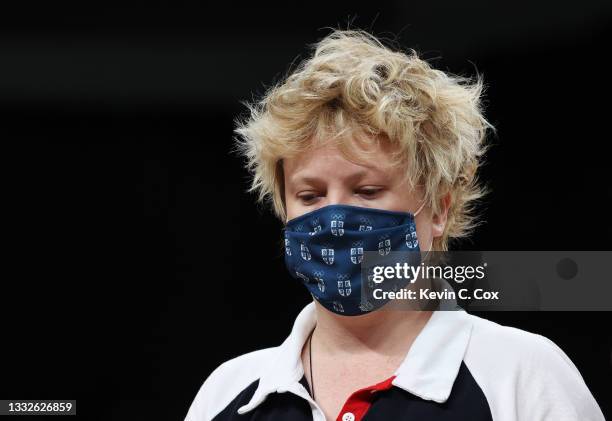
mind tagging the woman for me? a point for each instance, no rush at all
(360, 149)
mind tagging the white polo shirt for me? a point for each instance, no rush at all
(460, 367)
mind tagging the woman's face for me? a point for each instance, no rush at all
(324, 176)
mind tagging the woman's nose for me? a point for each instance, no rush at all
(339, 197)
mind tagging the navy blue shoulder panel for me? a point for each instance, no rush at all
(467, 402)
(277, 407)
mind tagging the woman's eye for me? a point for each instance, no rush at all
(307, 198)
(369, 192)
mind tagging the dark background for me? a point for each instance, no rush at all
(135, 262)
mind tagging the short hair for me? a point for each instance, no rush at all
(353, 88)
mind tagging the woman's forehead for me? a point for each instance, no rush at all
(331, 160)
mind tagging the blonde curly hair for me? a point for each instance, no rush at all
(354, 89)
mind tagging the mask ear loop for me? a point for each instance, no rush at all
(430, 245)
(419, 209)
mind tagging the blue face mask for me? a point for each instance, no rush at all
(324, 249)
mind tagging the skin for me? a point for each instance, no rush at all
(350, 353)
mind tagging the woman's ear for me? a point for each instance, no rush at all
(438, 221)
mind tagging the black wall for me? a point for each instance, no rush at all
(135, 262)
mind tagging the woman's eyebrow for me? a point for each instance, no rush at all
(301, 181)
(313, 179)
(305, 179)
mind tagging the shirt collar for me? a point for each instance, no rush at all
(433, 361)
(284, 368)
(428, 371)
